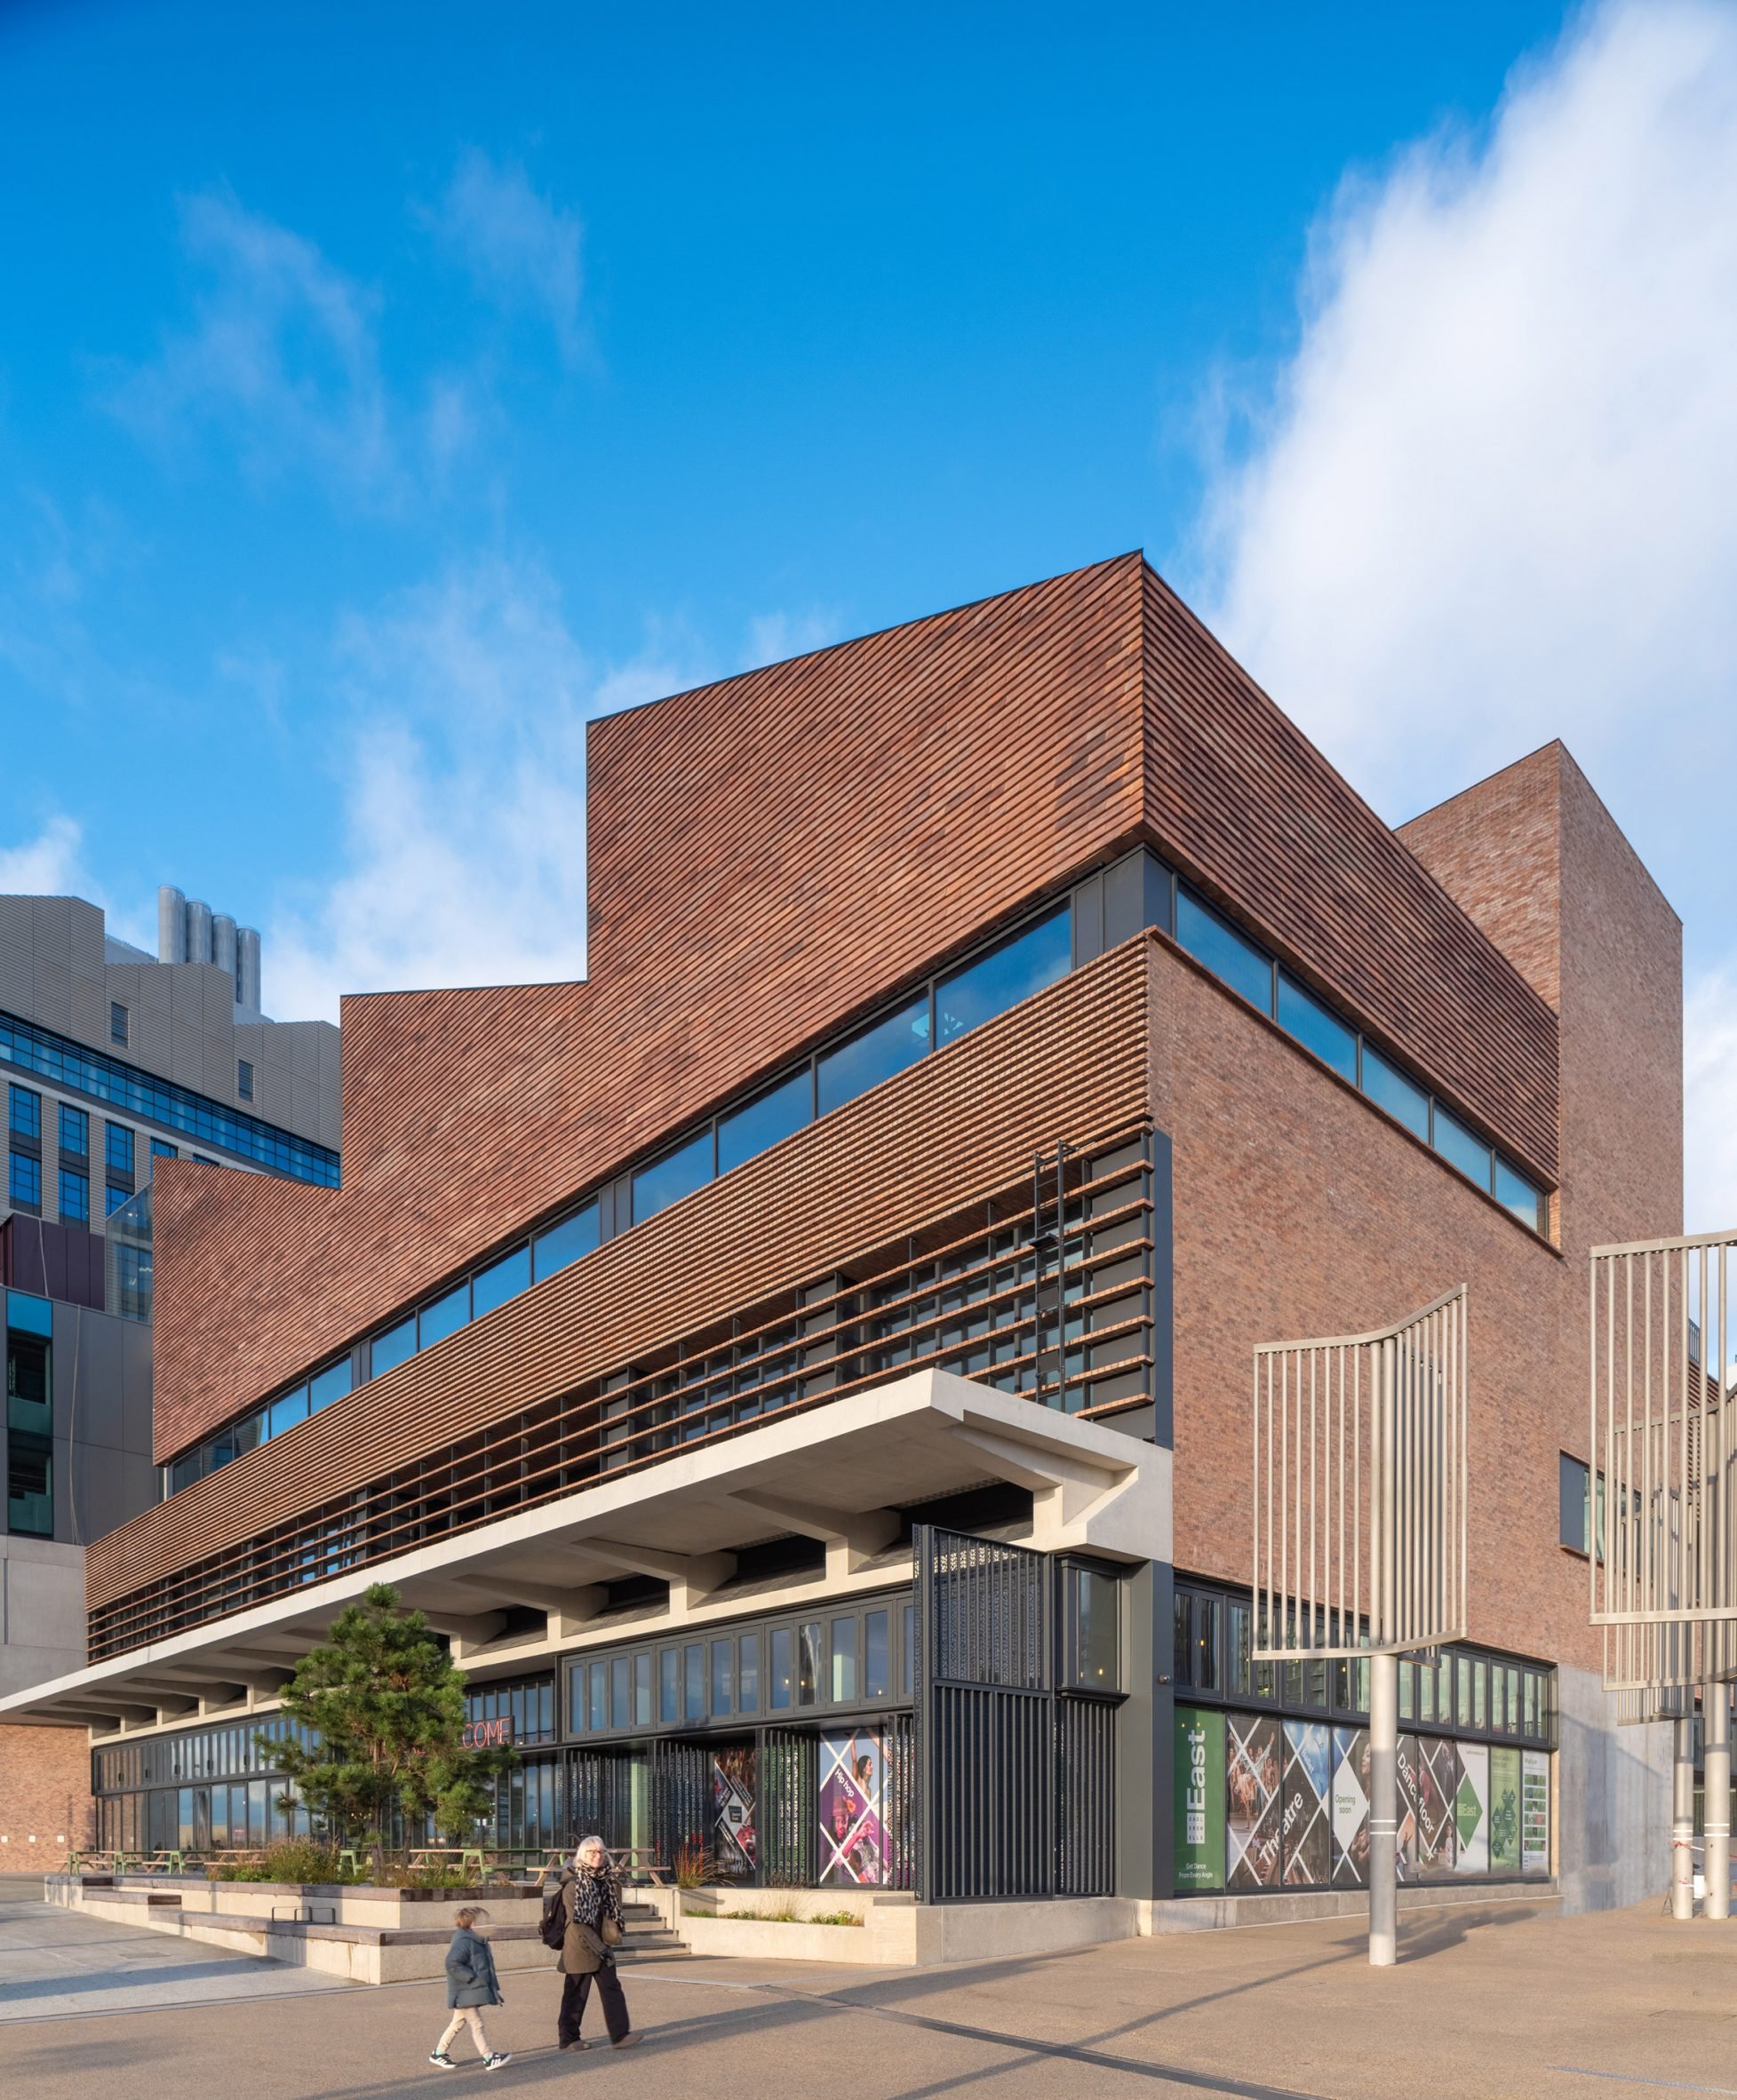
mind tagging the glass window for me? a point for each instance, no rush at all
(756, 1128)
(249, 1432)
(1517, 1194)
(1479, 1679)
(844, 1660)
(621, 1710)
(328, 1385)
(807, 1664)
(782, 1672)
(112, 1200)
(25, 1181)
(1004, 977)
(565, 1242)
(1316, 1029)
(161, 1150)
(118, 1148)
(24, 1112)
(184, 1472)
(1572, 1502)
(669, 1685)
(677, 1173)
(693, 1682)
(1241, 1645)
(723, 1684)
(1458, 1146)
(747, 1679)
(287, 1410)
(1426, 1692)
(877, 1673)
(444, 1316)
(30, 1483)
(600, 1696)
(884, 1047)
(500, 1281)
(1098, 1642)
(1513, 1702)
(1388, 1088)
(74, 1197)
(244, 1079)
(907, 1654)
(642, 1691)
(1214, 941)
(74, 1130)
(117, 1022)
(1530, 1721)
(396, 1346)
(1182, 1616)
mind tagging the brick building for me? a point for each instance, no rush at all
(803, 1368)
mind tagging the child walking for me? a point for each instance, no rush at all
(470, 1984)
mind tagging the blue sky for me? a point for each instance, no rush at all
(383, 391)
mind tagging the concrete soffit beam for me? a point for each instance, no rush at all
(852, 1537)
(1066, 1487)
(569, 1610)
(692, 1577)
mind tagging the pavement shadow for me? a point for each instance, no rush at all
(78, 1982)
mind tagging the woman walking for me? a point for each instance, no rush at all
(470, 1984)
(590, 1895)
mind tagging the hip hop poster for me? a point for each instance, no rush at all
(1253, 1770)
(1304, 1811)
(733, 1810)
(852, 1837)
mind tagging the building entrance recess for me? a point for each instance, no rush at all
(1360, 1526)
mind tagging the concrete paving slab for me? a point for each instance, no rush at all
(54, 1964)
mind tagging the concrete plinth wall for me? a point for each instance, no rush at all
(1612, 1801)
(44, 1797)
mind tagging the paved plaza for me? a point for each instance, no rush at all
(1503, 2000)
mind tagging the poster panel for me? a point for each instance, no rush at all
(1410, 1789)
(1253, 1752)
(1305, 1810)
(1534, 1812)
(1505, 1811)
(1350, 1807)
(733, 1810)
(1200, 1797)
(1438, 1784)
(853, 1841)
(1471, 1811)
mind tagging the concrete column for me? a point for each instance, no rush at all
(1383, 1810)
(1682, 1820)
(1716, 1737)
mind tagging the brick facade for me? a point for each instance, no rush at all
(44, 1797)
(769, 857)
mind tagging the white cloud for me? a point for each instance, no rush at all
(464, 815)
(521, 249)
(282, 359)
(52, 864)
(774, 636)
(1488, 501)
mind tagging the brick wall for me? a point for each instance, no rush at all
(44, 1797)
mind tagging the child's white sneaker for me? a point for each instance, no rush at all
(499, 2057)
(441, 2057)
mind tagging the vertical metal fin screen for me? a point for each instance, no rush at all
(681, 1813)
(1662, 1515)
(599, 1797)
(789, 1809)
(1360, 1488)
(995, 1745)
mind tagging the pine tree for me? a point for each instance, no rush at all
(387, 1708)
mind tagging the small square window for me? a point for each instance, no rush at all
(117, 1022)
(244, 1079)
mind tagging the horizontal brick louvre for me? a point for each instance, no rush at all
(770, 856)
(1246, 803)
(1072, 1063)
(766, 857)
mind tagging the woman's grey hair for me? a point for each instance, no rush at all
(585, 1843)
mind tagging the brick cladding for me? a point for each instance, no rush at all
(1257, 815)
(767, 858)
(44, 1797)
(961, 1125)
(1300, 1210)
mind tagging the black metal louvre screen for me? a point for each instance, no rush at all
(1085, 1797)
(789, 1810)
(682, 1809)
(599, 1798)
